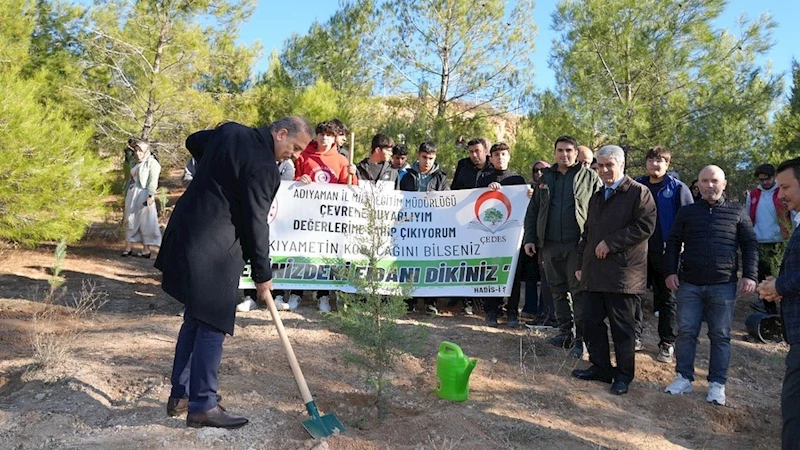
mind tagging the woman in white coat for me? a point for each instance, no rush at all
(141, 217)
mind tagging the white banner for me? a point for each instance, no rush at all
(448, 243)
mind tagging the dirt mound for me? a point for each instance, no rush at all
(112, 388)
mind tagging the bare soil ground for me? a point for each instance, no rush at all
(109, 389)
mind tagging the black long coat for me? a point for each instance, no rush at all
(220, 221)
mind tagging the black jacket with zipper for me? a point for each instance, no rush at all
(711, 235)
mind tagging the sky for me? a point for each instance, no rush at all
(273, 23)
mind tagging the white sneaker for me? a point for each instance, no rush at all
(324, 304)
(656, 314)
(280, 304)
(716, 393)
(247, 305)
(294, 302)
(679, 385)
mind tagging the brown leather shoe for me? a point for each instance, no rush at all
(178, 406)
(215, 417)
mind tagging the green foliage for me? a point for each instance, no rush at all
(407, 118)
(785, 129)
(473, 53)
(369, 316)
(16, 24)
(334, 51)
(55, 281)
(317, 103)
(55, 54)
(161, 70)
(51, 184)
(537, 133)
(162, 202)
(656, 72)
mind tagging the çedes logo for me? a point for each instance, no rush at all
(492, 213)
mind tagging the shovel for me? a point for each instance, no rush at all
(318, 426)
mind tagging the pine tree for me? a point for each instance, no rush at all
(51, 183)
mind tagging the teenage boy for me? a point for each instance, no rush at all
(400, 161)
(424, 176)
(500, 175)
(378, 166)
(321, 163)
(670, 195)
(341, 138)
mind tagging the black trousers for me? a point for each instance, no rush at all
(663, 299)
(790, 401)
(620, 310)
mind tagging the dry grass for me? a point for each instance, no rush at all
(59, 322)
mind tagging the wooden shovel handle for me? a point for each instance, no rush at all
(350, 156)
(287, 347)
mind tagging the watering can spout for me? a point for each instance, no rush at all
(468, 370)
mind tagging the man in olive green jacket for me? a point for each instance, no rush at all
(553, 225)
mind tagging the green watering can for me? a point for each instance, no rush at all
(453, 370)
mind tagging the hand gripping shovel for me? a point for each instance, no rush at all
(318, 426)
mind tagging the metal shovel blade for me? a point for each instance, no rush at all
(321, 426)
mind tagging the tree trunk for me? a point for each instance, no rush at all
(147, 128)
(441, 106)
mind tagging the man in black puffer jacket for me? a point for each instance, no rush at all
(710, 230)
(469, 169)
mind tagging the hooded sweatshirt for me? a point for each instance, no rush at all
(327, 167)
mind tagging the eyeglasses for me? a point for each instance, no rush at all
(760, 178)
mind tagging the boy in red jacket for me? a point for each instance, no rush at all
(321, 161)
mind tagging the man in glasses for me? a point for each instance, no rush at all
(772, 223)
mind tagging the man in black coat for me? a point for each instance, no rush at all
(218, 223)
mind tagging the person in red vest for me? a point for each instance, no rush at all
(772, 223)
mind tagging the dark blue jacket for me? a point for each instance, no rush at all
(673, 194)
(710, 236)
(788, 286)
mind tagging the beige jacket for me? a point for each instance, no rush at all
(148, 173)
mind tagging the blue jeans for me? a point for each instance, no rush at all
(713, 304)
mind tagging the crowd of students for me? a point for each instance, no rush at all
(595, 240)
(557, 233)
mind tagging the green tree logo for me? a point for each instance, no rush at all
(493, 215)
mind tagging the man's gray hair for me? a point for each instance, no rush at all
(612, 151)
(292, 124)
